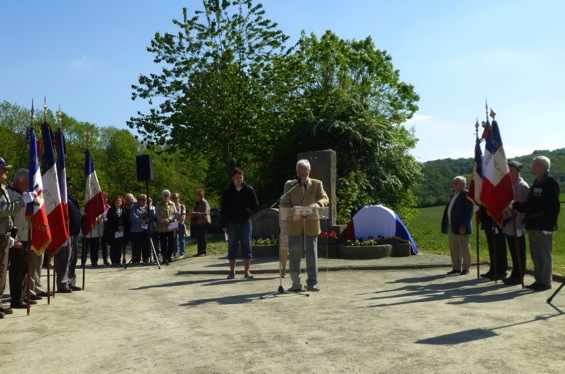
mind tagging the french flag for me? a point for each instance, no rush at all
(94, 200)
(40, 232)
(62, 171)
(497, 191)
(58, 224)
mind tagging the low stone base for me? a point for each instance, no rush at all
(368, 252)
(265, 250)
(401, 250)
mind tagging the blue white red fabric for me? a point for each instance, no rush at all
(40, 232)
(497, 191)
(95, 205)
(58, 224)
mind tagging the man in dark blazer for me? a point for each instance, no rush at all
(456, 223)
(542, 209)
(307, 193)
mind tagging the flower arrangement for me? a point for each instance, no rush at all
(328, 234)
(264, 241)
(362, 242)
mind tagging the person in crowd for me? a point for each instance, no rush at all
(542, 209)
(200, 221)
(103, 242)
(7, 209)
(18, 255)
(140, 219)
(496, 242)
(514, 227)
(67, 257)
(180, 242)
(93, 239)
(166, 215)
(238, 202)
(304, 235)
(117, 220)
(130, 200)
(456, 223)
(153, 233)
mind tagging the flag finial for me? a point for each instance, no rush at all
(45, 108)
(59, 116)
(32, 114)
(492, 114)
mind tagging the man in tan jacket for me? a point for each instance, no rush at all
(307, 193)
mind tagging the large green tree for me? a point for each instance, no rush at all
(217, 96)
(351, 99)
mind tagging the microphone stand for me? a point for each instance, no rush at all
(281, 288)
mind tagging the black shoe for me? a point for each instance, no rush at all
(498, 277)
(36, 297)
(453, 272)
(512, 281)
(1, 315)
(541, 287)
(42, 294)
(295, 289)
(465, 272)
(488, 274)
(64, 290)
(6, 310)
(32, 302)
(533, 285)
(75, 288)
(313, 289)
(18, 305)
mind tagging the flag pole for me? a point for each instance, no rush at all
(83, 254)
(477, 213)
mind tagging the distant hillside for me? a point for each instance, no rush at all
(436, 186)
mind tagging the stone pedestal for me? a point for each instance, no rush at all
(265, 250)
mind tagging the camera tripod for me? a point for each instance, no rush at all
(556, 292)
(153, 251)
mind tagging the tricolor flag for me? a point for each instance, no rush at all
(40, 233)
(497, 191)
(57, 223)
(94, 200)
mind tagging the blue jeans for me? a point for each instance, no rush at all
(181, 242)
(239, 233)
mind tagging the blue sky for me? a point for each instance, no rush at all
(85, 55)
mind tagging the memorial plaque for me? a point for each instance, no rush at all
(266, 224)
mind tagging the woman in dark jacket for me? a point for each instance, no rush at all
(117, 221)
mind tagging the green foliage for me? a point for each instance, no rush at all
(217, 87)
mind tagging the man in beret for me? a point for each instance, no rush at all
(514, 227)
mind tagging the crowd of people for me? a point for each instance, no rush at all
(153, 232)
(532, 213)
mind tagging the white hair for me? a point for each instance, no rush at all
(303, 162)
(542, 160)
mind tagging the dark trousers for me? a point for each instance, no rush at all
(497, 252)
(167, 242)
(201, 233)
(62, 259)
(104, 245)
(18, 272)
(73, 259)
(116, 251)
(93, 244)
(140, 246)
(517, 247)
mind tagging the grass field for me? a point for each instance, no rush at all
(426, 231)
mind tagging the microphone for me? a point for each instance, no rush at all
(296, 181)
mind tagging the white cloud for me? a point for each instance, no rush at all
(81, 62)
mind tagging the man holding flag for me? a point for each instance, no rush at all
(7, 208)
